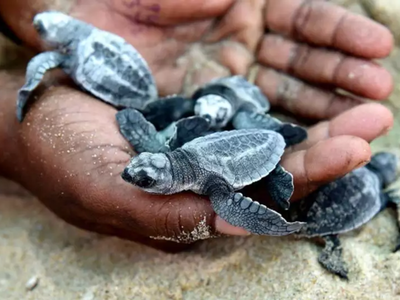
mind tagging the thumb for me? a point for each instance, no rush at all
(185, 217)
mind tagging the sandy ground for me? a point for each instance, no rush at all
(67, 263)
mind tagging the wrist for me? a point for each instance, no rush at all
(10, 82)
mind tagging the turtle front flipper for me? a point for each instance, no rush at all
(164, 111)
(248, 120)
(280, 186)
(292, 134)
(392, 196)
(243, 212)
(140, 133)
(188, 129)
(35, 71)
(331, 257)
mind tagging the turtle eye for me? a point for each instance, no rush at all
(143, 180)
(207, 117)
(38, 25)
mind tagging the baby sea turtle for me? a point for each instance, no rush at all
(144, 137)
(226, 100)
(218, 165)
(100, 62)
(344, 205)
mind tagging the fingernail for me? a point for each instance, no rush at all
(362, 164)
(226, 228)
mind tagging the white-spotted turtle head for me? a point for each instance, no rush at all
(215, 109)
(55, 28)
(150, 172)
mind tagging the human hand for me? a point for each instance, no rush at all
(305, 50)
(69, 153)
(102, 202)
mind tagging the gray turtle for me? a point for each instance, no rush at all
(226, 100)
(234, 99)
(144, 137)
(344, 205)
(100, 62)
(218, 165)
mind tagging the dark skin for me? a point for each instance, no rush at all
(70, 152)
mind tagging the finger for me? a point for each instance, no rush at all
(242, 23)
(300, 98)
(325, 162)
(358, 76)
(328, 25)
(367, 121)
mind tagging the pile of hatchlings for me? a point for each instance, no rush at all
(213, 143)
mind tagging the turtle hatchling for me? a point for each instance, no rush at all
(344, 205)
(218, 165)
(100, 62)
(227, 100)
(234, 99)
(144, 137)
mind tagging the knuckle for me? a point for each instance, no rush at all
(299, 58)
(302, 18)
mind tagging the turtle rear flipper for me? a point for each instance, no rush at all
(187, 130)
(140, 133)
(280, 186)
(36, 69)
(163, 112)
(243, 212)
(331, 257)
(291, 133)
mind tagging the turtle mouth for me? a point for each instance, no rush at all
(208, 118)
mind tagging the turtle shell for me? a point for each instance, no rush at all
(107, 66)
(240, 156)
(237, 88)
(342, 205)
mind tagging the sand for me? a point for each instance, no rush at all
(42, 257)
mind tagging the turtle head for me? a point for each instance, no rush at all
(150, 172)
(385, 165)
(215, 109)
(54, 28)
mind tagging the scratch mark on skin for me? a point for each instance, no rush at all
(141, 15)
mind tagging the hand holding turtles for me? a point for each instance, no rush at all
(80, 141)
